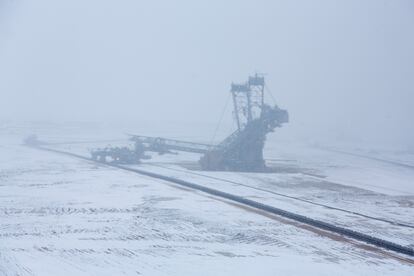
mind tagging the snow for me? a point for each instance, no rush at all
(348, 170)
(64, 216)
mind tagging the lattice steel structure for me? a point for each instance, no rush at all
(243, 149)
(240, 151)
(248, 99)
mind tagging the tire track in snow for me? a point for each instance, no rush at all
(305, 222)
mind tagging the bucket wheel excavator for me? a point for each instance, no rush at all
(240, 151)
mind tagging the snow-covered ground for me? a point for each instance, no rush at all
(63, 216)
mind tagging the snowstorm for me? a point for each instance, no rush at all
(206, 137)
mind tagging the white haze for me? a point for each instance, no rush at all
(343, 69)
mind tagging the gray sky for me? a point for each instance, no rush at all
(341, 68)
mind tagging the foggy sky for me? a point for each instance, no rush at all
(341, 68)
